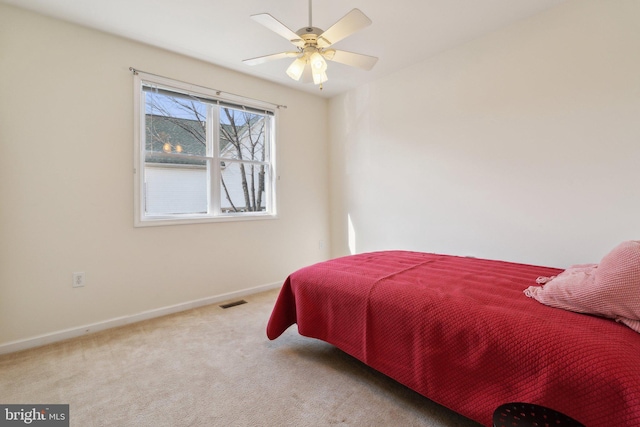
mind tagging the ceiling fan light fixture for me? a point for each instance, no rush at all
(319, 76)
(296, 69)
(317, 62)
(329, 54)
(318, 68)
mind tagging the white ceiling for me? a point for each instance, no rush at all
(403, 32)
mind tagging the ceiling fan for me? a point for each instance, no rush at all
(312, 46)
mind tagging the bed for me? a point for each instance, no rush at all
(461, 332)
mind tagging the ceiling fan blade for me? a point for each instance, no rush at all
(347, 25)
(266, 58)
(278, 27)
(365, 62)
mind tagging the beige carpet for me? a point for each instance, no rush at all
(212, 367)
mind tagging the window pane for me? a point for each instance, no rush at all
(242, 187)
(242, 135)
(175, 190)
(174, 125)
(175, 180)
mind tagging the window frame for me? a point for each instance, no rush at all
(213, 156)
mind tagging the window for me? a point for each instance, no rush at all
(200, 156)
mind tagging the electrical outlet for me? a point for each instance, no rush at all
(78, 279)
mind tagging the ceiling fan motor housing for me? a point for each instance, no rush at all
(309, 30)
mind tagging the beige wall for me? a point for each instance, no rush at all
(66, 186)
(522, 145)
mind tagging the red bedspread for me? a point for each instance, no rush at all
(461, 332)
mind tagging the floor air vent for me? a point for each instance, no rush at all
(233, 304)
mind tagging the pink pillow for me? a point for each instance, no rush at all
(609, 289)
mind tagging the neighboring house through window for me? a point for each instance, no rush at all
(199, 156)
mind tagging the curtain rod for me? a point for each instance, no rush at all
(135, 71)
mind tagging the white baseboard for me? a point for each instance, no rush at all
(49, 338)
